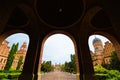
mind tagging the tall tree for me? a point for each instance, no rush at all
(73, 63)
(67, 66)
(71, 66)
(19, 63)
(115, 62)
(46, 66)
(11, 57)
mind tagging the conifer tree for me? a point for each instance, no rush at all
(19, 63)
(11, 57)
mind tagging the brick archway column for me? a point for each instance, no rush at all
(87, 66)
(79, 75)
(37, 69)
(29, 65)
(86, 63)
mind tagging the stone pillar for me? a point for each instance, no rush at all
(38, 60)
(77, 67)
(77, 76)
(87, 66)
(29, 65)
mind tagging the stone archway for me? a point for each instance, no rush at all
(7, 40)
(113, 40)
(74, 43)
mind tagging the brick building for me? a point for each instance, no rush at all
(4, 51)
(101, 53)
(57, 67)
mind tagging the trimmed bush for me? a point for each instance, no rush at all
(104, 74)
(13, 76)
(1, 71)
(2, 75)
(14, 71)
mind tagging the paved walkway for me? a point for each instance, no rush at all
(57, 75)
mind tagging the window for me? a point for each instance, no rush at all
(4, 61)
(1, 60)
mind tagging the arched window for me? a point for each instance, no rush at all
(60, 55)
(13, 51)
(105, 55)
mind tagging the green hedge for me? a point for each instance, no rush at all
(1, 71)
(104, 74)
(2, 76)
(9, 75)
(13, 76)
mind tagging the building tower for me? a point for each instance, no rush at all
(98, 50)
(4, 51)
(21, 52)
(108, 49)
(98, 46)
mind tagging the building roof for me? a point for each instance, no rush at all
(96, 40)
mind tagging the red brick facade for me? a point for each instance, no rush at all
(4, 51)
(102, 53)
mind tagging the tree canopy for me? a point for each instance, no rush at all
(11, 57)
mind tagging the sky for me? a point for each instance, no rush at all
(57, 47)
(18, 38)
(103, 39)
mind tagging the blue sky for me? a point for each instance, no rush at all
(57, 48)
(103, 39)
(18, 38)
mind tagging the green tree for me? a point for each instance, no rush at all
(11, 57)
(67, 67)
(104, 74)
(71, 66)
(19, 63)
(73, 63)
(114, 62)
(62, 67)
(46, 66)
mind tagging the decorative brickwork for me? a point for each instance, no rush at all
(101, 54)
(4, 51)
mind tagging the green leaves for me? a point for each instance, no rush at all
(71, 66)
(104, 74)
(46, 66)
(114, 63)
(11, 57)
(19, 63)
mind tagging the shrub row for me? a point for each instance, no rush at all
(9, 75)
(13, 76)
(104, 74)
(101, 76)
(10, 71)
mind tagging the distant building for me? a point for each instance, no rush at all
(57, 67)
(4, 51)
(107, 51)
(101, 54)
(21, 52)
(98, 53)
